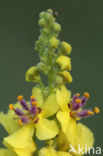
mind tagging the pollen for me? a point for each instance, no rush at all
(96, 110)
(78, 101)
(20, 122)
(87, 95)
(34, 103)
(11, 107)
(90, 113)
(20, 97)
(78, 94)
(32, 97)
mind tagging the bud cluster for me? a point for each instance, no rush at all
(54, 61)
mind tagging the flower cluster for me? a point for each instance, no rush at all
(51, 115)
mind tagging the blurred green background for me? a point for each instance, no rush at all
(82, 26)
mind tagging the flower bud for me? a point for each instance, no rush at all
(59, 79)
(67, 76)
(42, 22)
(32, 74)
(50, 11)
(56, 27)
(42, 67)
(53, 42)
(64, 62)
(66, 48)
(42, 14)
(46, 31)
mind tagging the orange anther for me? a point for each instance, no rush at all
(78, 101)
(96, 110)
(20, 97)
(34, 103)
(32, 97)
(77, 94)
(86, 94)
(20, 122)
(90, 113)
(11, 107)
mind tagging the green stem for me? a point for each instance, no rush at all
(50, 73)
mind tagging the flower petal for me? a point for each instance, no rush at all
(8, 122)
(6, 152)
(46, 129)
(68, 126)
(63, 98)
(21, 141)
(28, 151)
(50, 151)
(84, 136)
(36, 92)
(60, 153)
(47, 151)
(50, 107)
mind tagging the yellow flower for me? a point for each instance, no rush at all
(66, 48)
(20, 143)
(50, 151)
(66, 75)
(45, 128)
(36, 113)
(32, 74)
(76, 133)
(64, 62)
(54, 42)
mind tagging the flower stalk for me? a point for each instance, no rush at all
(51, 116)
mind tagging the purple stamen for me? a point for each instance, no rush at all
(84, 101)
(36, 120)
(31, 103)
(18, 112)
(76, 106)
(39, 110)
(31, 114)
(24, 120)
(33, 110)
(69, 105)
(74, 98)
(83, 113)
(24, 104)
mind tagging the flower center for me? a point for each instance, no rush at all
(29, 113)
(76, 106)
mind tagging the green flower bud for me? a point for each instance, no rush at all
(32, 74)
(46, 31)
(50, 11)
(59, 79)
(48, 16)
(53, 42)
(40, 65)
(56, 27)
(37, 45)
(42, 22)
(44, 58)
(42, 14)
